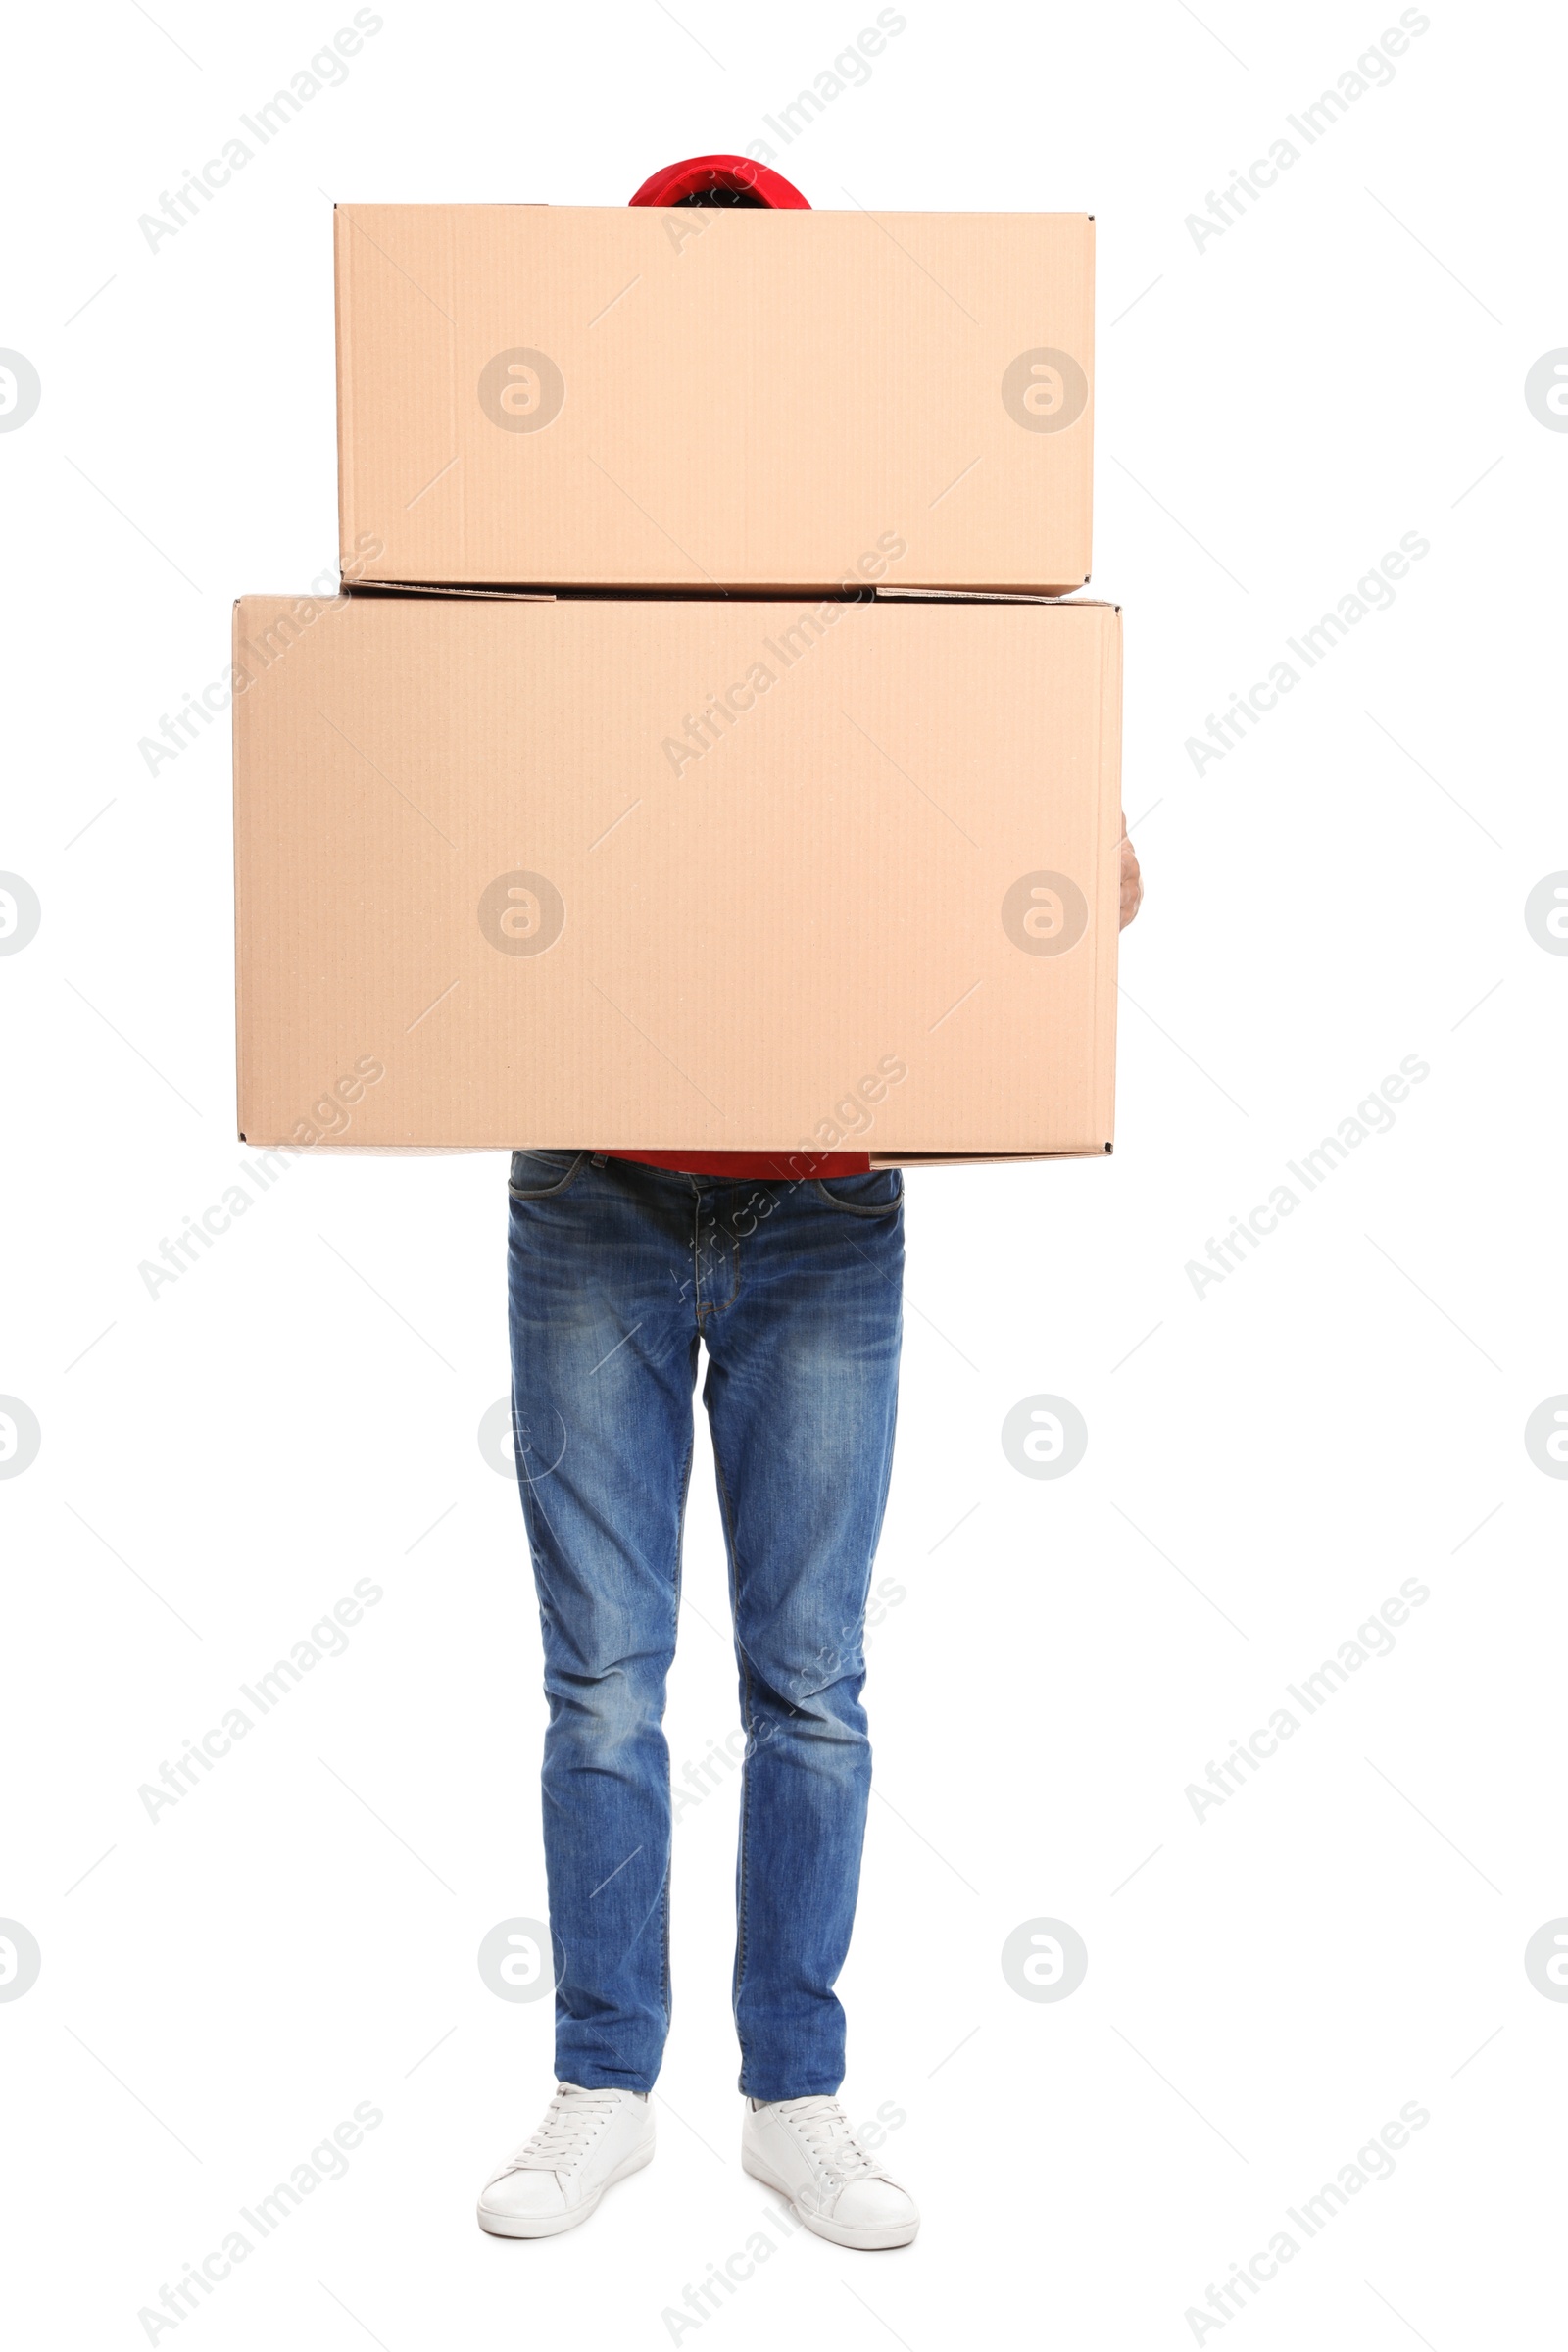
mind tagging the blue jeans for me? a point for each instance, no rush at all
(616, 1273)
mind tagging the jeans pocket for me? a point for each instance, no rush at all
(878, 1194)
(543, 1175)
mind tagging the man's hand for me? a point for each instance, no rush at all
(1131, 880)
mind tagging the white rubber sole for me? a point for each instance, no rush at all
(509, 2225)
(838, 2233)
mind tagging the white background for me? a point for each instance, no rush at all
(219, 1464)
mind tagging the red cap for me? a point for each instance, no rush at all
(701, 171)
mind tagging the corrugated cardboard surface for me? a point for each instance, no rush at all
(689, 398)
(676, 874)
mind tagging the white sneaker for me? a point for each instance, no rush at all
(588, 2139)
(805, 2149)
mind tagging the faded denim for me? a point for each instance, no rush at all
(618, 1274)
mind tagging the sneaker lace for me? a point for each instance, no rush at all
(830, 2142)
(571, 2123)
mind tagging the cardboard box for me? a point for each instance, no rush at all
(673, 874)
(691, 398)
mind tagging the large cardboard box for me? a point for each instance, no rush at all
(680, 398)
(677, 873)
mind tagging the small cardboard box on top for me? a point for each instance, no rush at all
(671, 873)
(690, 399)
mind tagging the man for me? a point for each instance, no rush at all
(789, 1269)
